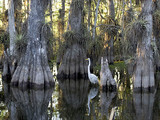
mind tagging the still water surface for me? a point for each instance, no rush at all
(78, 100)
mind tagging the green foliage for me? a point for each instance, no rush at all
(20, 43)
(133, 32)
(70, 37)
(110, 26)
(136, 29)
(120, 65)
(128, 16)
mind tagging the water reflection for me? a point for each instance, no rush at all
(92, 94)
(74, 99)
(105, 103)
(28, 104)
(143, 103)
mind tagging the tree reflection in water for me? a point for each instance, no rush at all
(27, 104)
(105, 102)
(74, 99)
(143, 103)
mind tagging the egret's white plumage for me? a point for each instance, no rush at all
(93, 78)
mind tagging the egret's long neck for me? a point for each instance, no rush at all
(89, 67)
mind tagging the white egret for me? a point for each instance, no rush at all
(93, 78)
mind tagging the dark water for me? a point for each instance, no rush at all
(77, 100)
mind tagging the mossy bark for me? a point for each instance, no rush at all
(33, 69)
(144, 73)
(73, 63)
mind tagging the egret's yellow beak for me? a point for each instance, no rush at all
(86, 59)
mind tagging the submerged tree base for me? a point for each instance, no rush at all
(73, 64)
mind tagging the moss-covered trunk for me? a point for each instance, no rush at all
(33, 69)
(144, 72)
(73, 64)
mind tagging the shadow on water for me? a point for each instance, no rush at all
(27, 104)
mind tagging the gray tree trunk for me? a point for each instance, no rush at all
(63, 15)
(106, 78)
(110, 37)
(89, 14)
(156, 34)
(73, 64)
(9, 55)
(33, 69)
(112, 14)
(76, 15)
(18, 14)
(95, 19)
(11, 25)
(144, 73)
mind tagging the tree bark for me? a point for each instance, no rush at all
(73, 63)
(107, 81)
(33, 69)
(9, 55)
(89, 14)
(95, 19)
(18, 15)
(110, 37)
(144, 73)
(76, 15)
(12, 30)
(63, 14)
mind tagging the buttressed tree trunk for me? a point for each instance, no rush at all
(144, 73)
(33, 69)
(73, 64)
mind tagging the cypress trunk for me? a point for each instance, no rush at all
(33, 69)
(144, 72)
(109, 37)
(73, 63)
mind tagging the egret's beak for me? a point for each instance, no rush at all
(86, 59)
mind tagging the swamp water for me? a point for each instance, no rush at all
(78, 100)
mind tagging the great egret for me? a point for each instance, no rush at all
(93, 78)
